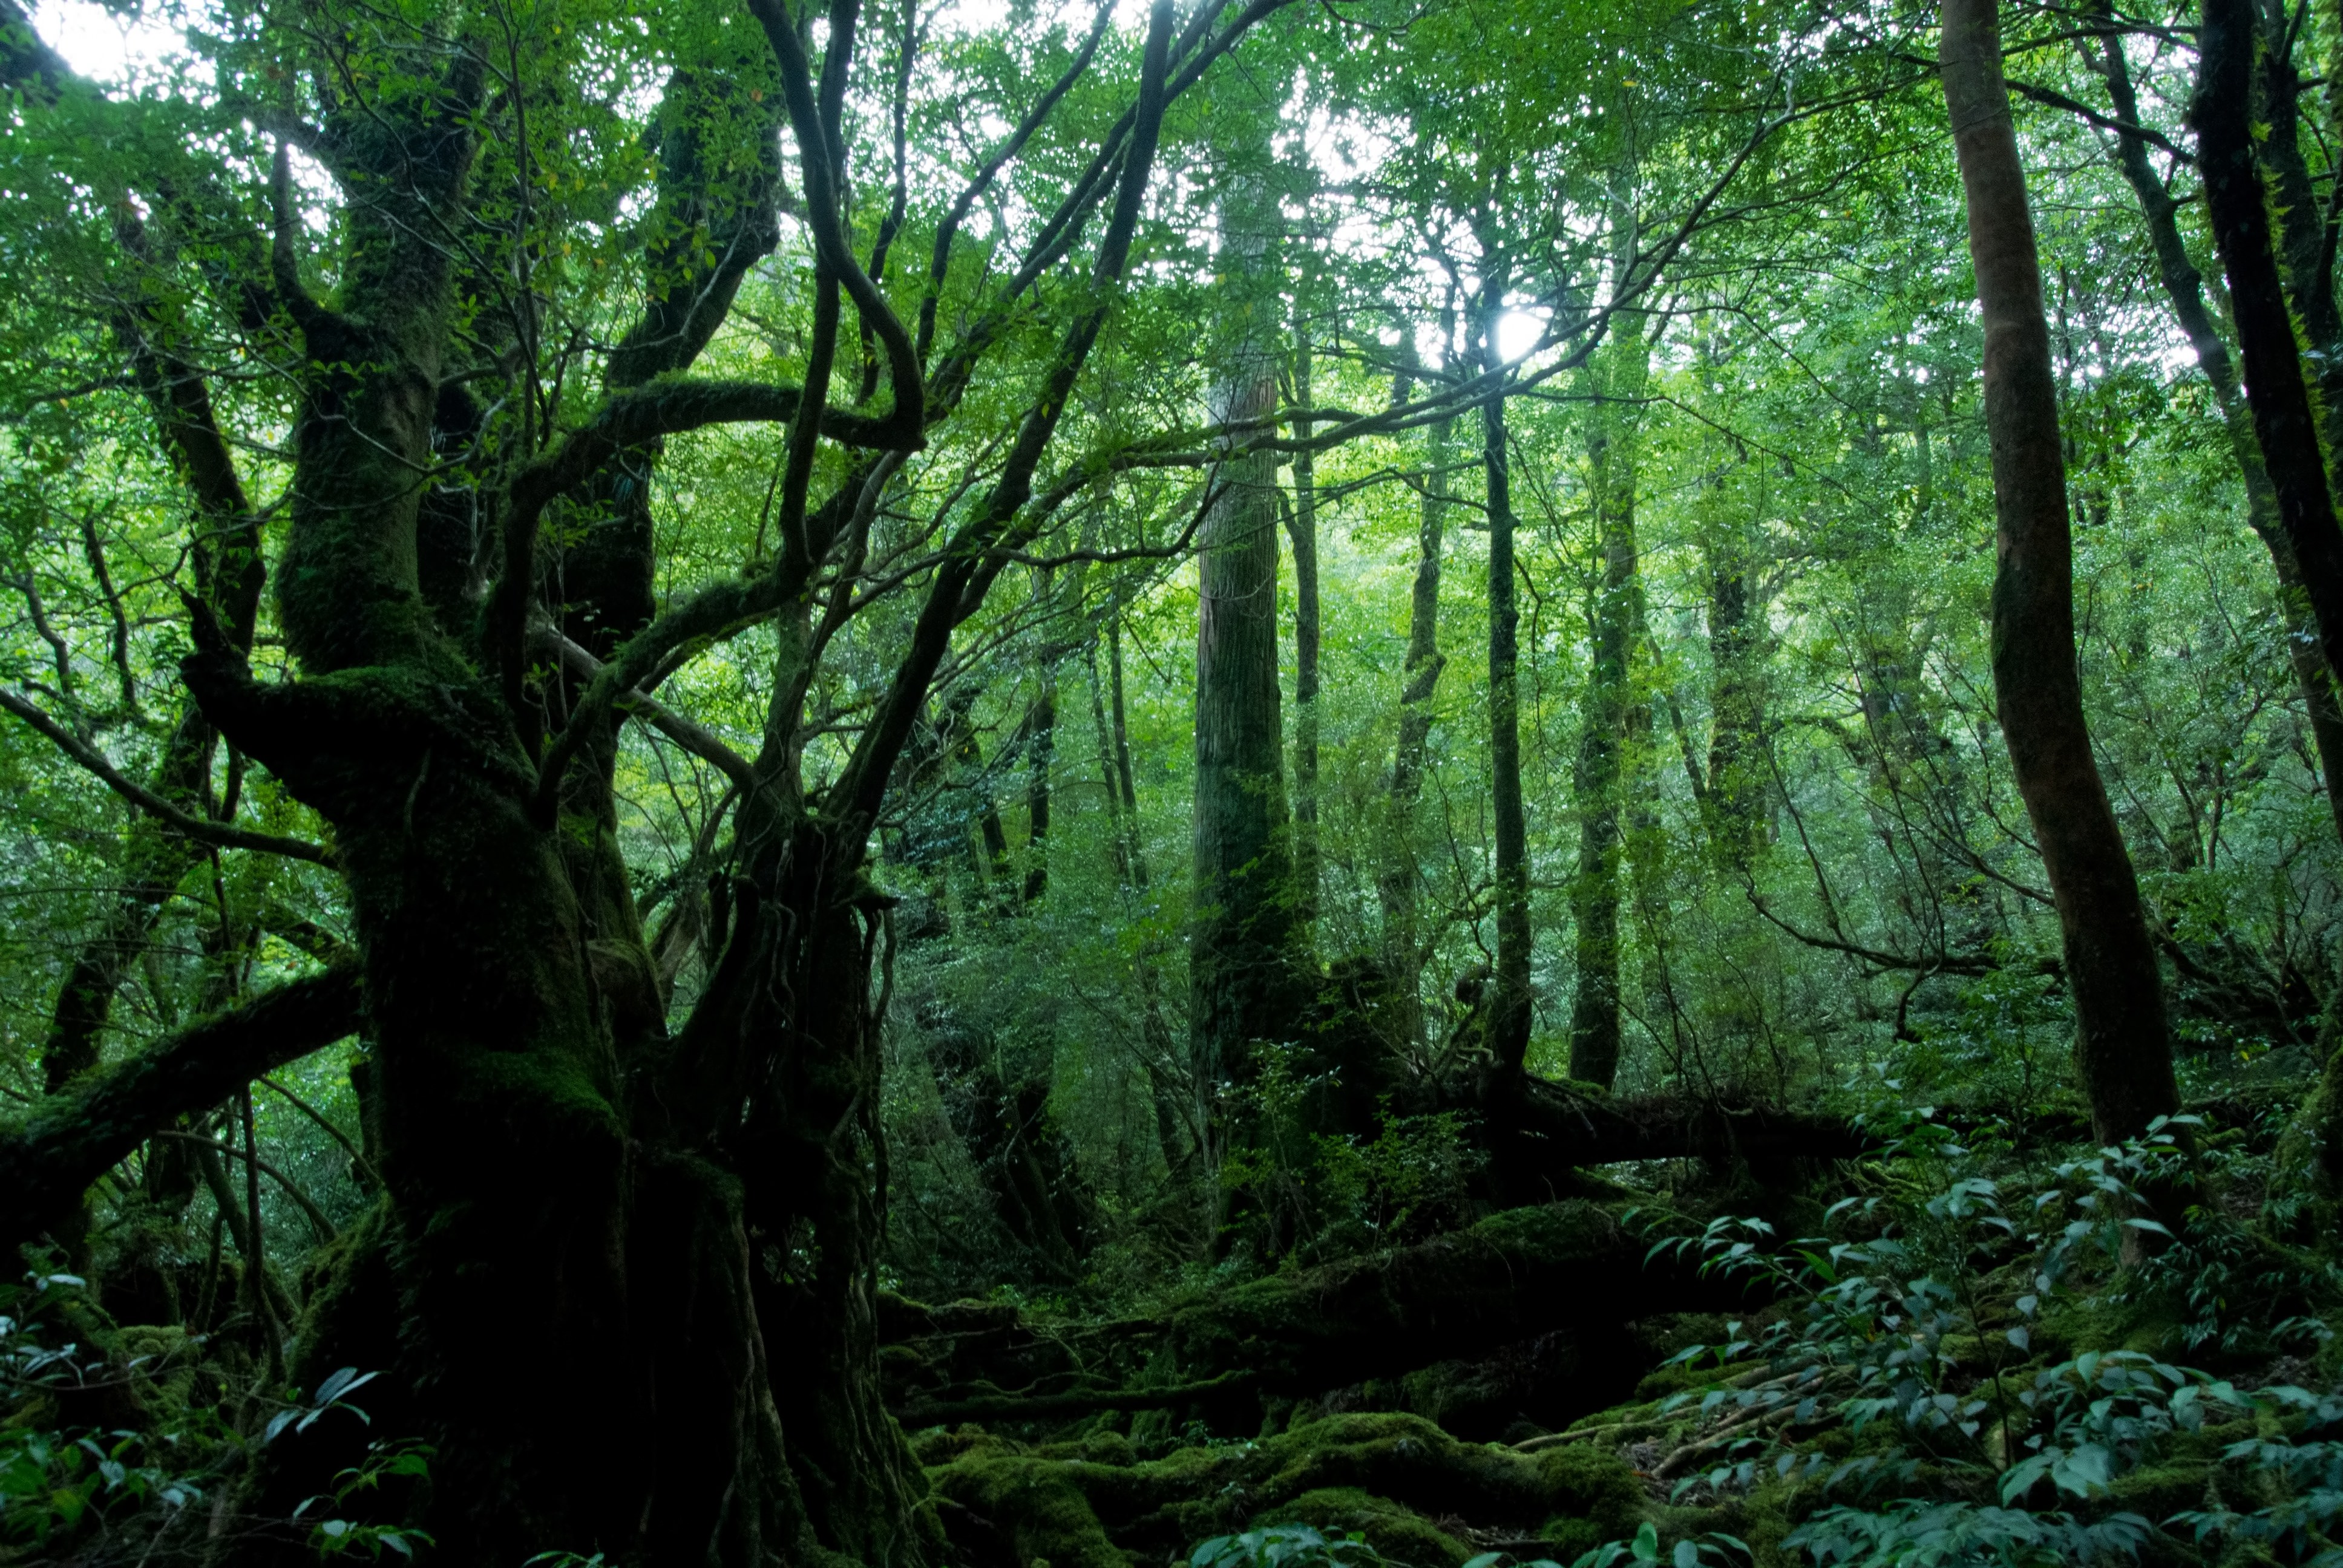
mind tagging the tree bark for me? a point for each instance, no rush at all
(1510, 1006)
(1732, 790)
(2123, 1049)
(1243, 969)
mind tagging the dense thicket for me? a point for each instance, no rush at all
(959, 788)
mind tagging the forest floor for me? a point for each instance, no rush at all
(1970, 1345)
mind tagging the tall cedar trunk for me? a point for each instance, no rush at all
(1301, 529)
(1510, 1007)
(1604, 714)
(2122, 1047)
(1397, 886)
(2184, 290)
(1242, 977)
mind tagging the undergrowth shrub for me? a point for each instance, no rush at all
(1970, 1368)
(93, 1495)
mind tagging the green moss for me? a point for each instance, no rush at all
(1594, 1496)
(1385, 1475)
(1038, 1504)
(161, 1365)
(1400, 1534)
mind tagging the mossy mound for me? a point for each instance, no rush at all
(1400, 1534)
(1397, 1478)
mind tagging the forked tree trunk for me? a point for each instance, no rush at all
(591, 1230)
(2122, 1047)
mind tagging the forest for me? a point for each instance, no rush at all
(1122, 783)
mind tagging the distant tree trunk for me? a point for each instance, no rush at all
(1397, 886)
(1041, 743)
(1731, 790)
(988, 853)
(1118, 830)
(1131, 864)
(2184, 288)
(1302, 528)
(1241, 969)
(1509, 1008)
(2123, 1049)
(1604, 714)
(1123, 754)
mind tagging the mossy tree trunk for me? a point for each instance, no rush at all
(1301, 529)
(593, 1228)
(2184, 290)
(1604, 712)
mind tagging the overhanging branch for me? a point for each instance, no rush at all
(70, 1140)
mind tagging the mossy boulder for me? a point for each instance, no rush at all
(1040, 1508)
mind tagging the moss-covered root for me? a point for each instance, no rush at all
(1388, 1476)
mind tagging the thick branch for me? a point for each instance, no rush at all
(70, 1140)
(630, 419)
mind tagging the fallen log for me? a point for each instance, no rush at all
(1571, 1269)
(1541, 1133)
(71, 1138)
(1570, 1266)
